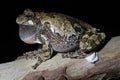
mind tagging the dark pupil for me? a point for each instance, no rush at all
(80, 30)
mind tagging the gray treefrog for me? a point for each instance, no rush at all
(61, 33)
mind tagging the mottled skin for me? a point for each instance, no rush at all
(61, 33)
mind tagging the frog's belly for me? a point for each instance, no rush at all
(64, 47)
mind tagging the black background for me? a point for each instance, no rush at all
(103, 15)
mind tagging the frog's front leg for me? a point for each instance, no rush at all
(41, 55)
(45, 54)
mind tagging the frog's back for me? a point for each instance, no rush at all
(60, 18)
(63, 24)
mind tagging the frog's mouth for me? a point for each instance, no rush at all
(28, 34)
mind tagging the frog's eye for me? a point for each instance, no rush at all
(28, 13)
(80, 30)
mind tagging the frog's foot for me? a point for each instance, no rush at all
(32, 54)
(74, 55)
(93, 57)
(80, 55)
(40, 55)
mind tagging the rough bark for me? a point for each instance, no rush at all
(58, 68)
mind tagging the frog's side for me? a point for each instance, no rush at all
(59, 32)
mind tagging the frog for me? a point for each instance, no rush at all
(60, 33)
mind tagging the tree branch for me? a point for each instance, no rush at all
(58, 68)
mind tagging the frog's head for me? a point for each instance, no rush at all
(29, 27)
